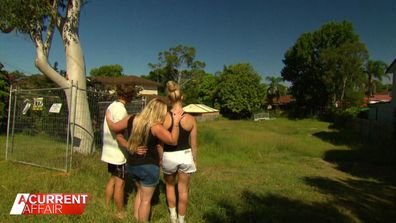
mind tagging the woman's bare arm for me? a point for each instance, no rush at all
(164, 135)
(117, 126)
(193, 138)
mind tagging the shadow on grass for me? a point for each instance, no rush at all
(273, 208)
(366, 201)
(365, 158)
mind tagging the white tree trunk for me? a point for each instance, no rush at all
(83, 141)
(80, 117)
(77, 98)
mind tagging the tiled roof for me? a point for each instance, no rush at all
(380, 98)
(282, 100)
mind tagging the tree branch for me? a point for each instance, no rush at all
(73, 13)
(48, 39)
(5, 29)
(41, 61)
(51, 27)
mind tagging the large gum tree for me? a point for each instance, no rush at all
(39, 19)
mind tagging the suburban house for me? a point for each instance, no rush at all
(283, 102)
(201, 111)
(379, 97)
(383, 110)
(147, 87)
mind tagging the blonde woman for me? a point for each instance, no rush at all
(146, 129)
(179, 161)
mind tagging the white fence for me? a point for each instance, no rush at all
(261, 116)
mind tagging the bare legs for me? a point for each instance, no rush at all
(170, 190)
(115, 189)
(143, 202)
(182, 187)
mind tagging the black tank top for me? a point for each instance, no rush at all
(182, 143)
(151, 157)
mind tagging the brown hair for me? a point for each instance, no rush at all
(126, 92)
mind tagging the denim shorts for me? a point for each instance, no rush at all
(148, 174)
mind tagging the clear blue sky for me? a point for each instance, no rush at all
(224, 32)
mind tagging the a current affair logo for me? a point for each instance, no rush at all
(25, 204)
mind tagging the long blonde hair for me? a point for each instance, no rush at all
(154, 113)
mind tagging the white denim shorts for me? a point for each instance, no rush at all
(178, 161)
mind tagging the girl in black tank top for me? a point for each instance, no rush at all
(151, 156)
(183, 142)
(178, 162)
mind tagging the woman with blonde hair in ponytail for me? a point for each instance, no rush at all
(146, 129)
(179, 161)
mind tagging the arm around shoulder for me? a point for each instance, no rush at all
(117, 126)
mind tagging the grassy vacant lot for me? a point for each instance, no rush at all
(270, 171)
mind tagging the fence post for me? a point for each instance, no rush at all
(13, 119)
(68, 135)
(73, 105)
(8, 121)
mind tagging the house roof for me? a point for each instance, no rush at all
(282, 100)
(125, 80)
(384, 97)
(199, 108)
(392, 67)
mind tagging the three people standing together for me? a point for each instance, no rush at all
(155, 137)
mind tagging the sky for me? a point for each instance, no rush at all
(223, 32)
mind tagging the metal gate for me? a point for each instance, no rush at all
(38, 131)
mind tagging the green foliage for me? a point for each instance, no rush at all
(240, 92)
(201, 90)
(375, 71)
(381, 87)
(275, 89)
(314, 65)
(177, 64)
(344, 74)
(114, 70)
(4, 91)
(23, 15)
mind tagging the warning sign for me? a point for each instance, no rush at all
(38, 104)
(55, 108)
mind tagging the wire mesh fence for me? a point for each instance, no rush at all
(98, 103)
(40, 130)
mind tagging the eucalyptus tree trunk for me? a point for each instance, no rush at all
(83, 141)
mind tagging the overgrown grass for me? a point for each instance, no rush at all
(39, 149)
(269, 171)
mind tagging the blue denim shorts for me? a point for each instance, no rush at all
(148, 174)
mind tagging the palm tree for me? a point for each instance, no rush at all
(374, 69)
(275, 89)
